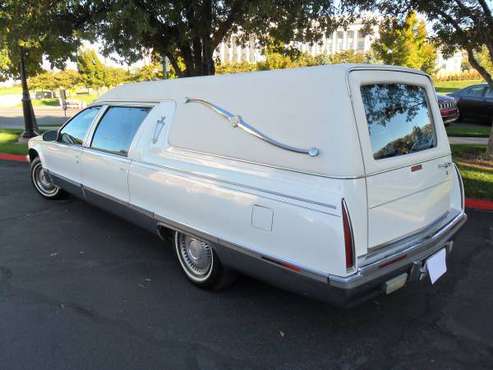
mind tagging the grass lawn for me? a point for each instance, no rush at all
(88, 99)
(468, 130)
(10, 90)
(476, 171)
(445, 87)
(8, 142)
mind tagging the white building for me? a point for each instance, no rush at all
(352, 38)
(451, 65)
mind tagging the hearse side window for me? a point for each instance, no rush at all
(117, 128)
(399, 120)
(75, 131)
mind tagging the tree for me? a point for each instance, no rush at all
(114, 76)
(458, 25)
(29, 30)
(91, 70)
(51, 80)
(405, 43)
(348, 56)
(148, 72)
(190, 30)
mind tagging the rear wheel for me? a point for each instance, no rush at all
(200, 262)
(42, 182)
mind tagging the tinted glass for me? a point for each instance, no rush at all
(398, 119)
(117, 128)
(75, 131)
(475, 91)
(489, 93)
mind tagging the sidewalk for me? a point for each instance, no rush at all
(468, 140)
(45, 116)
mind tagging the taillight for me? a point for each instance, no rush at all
(348, 236)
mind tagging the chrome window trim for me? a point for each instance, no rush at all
(99, 118)
(429, 113)
(95, 119)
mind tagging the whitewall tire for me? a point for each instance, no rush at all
(200, 262)
(42, 182)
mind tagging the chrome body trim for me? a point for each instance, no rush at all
(251, 189)
(184, 150)
(401, 254)
(373, 270)
(237, 121)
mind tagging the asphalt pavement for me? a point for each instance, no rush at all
(82, 289)
(13, 117)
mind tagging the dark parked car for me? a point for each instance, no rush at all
(448, 109)
(475, 102)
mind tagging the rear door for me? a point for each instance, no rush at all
(405, 150)
(105, 163)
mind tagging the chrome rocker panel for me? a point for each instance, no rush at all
(366, 282)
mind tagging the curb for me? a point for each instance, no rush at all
(13, 157)
(482, 204)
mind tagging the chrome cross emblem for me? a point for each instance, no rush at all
(160, 123)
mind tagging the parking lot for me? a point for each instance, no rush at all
(80, 288)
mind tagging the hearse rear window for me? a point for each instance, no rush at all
(399, 120)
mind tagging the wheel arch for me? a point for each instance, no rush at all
(33, 153)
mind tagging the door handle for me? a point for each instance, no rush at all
(445, 165)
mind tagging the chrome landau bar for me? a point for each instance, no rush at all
(237, 121)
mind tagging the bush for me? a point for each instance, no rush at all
(466, 75)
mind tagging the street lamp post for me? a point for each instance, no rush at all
(30, 124)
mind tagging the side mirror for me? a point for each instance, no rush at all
(50, 135)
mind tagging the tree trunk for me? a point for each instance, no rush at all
(30, 124)
(489, 151)
(487, 77)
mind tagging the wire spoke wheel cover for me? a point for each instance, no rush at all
(195, 255)
(42, 182)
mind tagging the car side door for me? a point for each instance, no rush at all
(62, 157)
(104, 162)
(488, 104)
(471, 102)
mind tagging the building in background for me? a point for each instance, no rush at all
(229, 51)
(449, 66)
(352, 38)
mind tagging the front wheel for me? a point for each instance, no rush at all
(42, 182)
(200, 262)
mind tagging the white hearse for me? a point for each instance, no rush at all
(333, 181)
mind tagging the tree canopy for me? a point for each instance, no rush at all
(189, 31)
(457, 25)
(405, 43)
(36, 28)
(91, 70)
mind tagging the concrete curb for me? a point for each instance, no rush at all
(482, 204)
(13, 157)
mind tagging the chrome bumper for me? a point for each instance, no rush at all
(398, 256)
